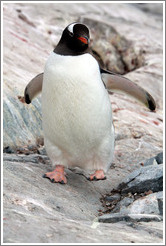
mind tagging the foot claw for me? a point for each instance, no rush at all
(62, 182)
(98, 175)
(57, 176)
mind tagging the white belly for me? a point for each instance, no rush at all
(77, 116)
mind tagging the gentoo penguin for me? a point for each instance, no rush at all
(76, 109)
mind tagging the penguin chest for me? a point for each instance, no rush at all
(75, 105)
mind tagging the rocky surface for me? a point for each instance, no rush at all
(158, 159)
(113, 218)
(129, 41)
(139, 197)
(38, 211)
(143, 179)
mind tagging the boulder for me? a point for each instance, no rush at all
(145, 205)
(143, 179)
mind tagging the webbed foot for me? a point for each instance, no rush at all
(57, 176)
(98, 175)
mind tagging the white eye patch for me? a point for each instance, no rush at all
(70, 27)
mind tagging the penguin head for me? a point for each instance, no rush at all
(79, 34)
(75, 39)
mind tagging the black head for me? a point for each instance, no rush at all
(74, 40)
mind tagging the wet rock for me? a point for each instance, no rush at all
(143, 179)
(116, 217)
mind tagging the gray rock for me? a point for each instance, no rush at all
(38, 211)
(145, 205)
(115, 51)
(160, 202)
(8, 150)
(22, 123)
(151, 8)
(159, 158)
(116, 217)
(151, 161)
(33, 158)
(42, 151)
(120, 206)
(112, 197)
(143, 179)
(126, 201)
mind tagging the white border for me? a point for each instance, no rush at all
(83, 1)
(164, 120)
(1, 122)
(163, 2)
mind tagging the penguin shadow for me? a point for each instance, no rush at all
(78, 179)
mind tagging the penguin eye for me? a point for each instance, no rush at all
(71, 34)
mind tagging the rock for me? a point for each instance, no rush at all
(113, 197)
(160, 202)
(145, 205)
(120, 206)
(8, 150)
(22, 124)
(116, 217)
(33, 158)
(159, 158)
(151, 161)
(151, 8)
(143, 179)
(42, 151)
(45, 212)
(116, 53)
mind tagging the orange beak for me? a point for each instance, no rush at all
(83, 39)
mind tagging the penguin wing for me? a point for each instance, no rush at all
(114, 82)
(33, 88)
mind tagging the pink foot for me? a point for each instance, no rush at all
(98, 175)
(56, 176)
